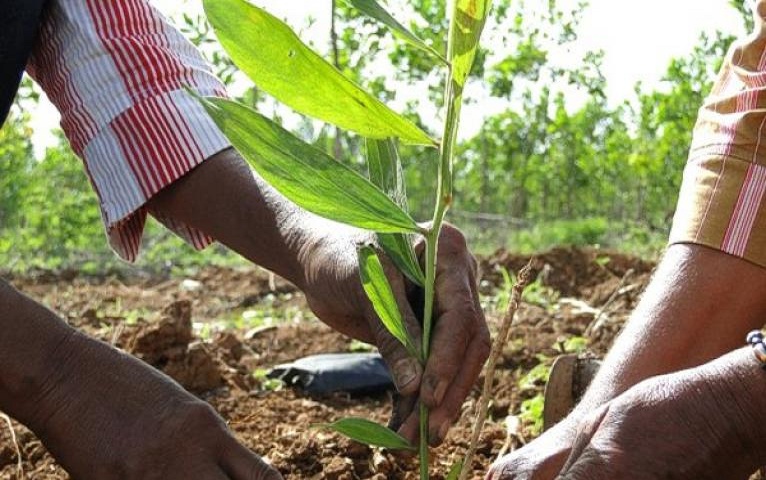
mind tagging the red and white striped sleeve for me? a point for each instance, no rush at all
(116, 70)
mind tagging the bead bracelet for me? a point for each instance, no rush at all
(755, 339)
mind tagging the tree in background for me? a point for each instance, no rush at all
(541, 169)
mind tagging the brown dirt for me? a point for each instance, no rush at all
(168, 317)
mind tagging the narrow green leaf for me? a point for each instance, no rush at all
(373, 9)
(305, 175)
(454, 472)
(385, 169)
(369, 433)
(468, 19)
(270, 53)
(398, 247)
(375, 284)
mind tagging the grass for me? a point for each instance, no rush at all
(598, 232)
(166, 254)
(271, 310)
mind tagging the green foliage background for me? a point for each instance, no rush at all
(539, 172)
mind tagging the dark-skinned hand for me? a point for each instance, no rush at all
(106, 415)
(460, 339)
(697, 424)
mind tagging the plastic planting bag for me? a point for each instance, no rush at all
(355, 373)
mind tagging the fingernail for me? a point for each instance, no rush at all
(436, 435)
(405, 372)
(440, 391)
(443, 430)
(433, 437)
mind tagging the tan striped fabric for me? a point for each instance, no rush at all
(721, 203)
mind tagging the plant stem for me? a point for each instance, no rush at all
(432, 238)
(497, 347)
(453, 98)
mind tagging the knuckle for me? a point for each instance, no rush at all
(474, 263)
(484, 344)
(468, 316)
(200, 415)
(452, 240)
(387, 344)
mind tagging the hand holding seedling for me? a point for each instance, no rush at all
(460, 338)
(321, 258)
(105, 415)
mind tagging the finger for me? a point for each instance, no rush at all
(460, 346)
(410, 429)
(213, 473)
(460, 322)
(403, 406)
(587, 430)
(242, 464)
(405, 369)
(441, 418)
(591, 465)
(497, 472)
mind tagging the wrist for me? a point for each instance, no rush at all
(738, 387)
(325, 251)
(31, 350)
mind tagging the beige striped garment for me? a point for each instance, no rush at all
(721, 203)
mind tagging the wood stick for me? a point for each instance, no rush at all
(497, 347)
(19, 467)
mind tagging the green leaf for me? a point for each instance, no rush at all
(385, 170)
(305, 175)
(270, 53)
(369, 433)
(375, 284)
(398, 247)
(373, 9)
(454, 472)
(468, 19)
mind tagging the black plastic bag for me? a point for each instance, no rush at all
(355, 373)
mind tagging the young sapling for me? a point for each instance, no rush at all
(276, 60)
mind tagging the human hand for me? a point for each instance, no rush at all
(107, 415)
(460, 340)
(541, 459)
(694, 424)
(320, 257)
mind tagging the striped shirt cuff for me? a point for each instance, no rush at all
(143, 150)
(721, 206)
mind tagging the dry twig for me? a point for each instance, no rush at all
(14, 441)
(597, 322)
(497, 347)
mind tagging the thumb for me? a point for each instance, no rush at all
(406, 370)
(240, 463)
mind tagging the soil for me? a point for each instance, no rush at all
(191, 328)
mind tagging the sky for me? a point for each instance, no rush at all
(638, 38)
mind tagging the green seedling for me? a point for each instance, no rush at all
(280, 64)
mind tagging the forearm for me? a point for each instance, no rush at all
(699, 305)
(224, 199)
(31, 341)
